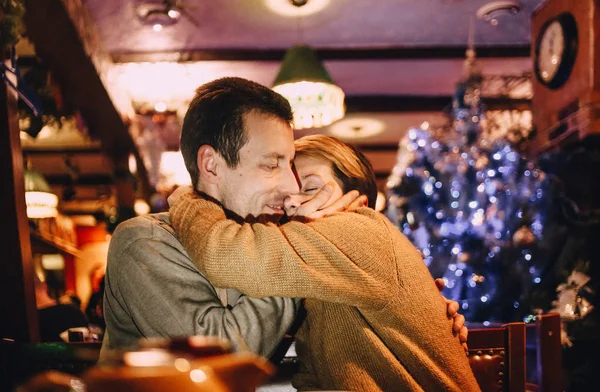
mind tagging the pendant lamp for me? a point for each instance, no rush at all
(303, 80)
(41, 203)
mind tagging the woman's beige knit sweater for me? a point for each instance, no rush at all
(375, 320)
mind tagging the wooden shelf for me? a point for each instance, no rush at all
(41, 243)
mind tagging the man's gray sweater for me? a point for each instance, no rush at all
(154, 290)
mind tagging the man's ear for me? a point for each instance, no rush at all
(208, 161)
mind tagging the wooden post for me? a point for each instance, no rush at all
(18, 313)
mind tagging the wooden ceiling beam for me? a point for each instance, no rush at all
(386, 147)
(81, 180)
(421, 103)
(382, 175)
(386, 53)
(37, 151)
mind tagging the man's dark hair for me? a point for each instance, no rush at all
(216, 117)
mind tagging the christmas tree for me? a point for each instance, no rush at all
(474, 207)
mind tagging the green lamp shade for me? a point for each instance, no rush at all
(35, 182)
(301, 64)
(306, 84)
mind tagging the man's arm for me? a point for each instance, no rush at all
(159, 290)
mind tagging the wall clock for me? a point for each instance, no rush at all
(556, 50)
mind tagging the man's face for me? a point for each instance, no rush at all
(263, 177)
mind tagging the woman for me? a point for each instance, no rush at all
(375, 320)
(322, 159)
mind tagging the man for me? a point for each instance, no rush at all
(152, 287)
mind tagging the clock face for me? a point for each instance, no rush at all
(552, 47)
(556, 50)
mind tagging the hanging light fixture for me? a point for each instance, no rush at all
(41, 203)
(306, 84)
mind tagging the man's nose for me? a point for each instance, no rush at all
(292, 202)
(289, 183)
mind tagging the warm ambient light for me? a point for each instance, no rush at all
(173, 14)
(132, 164)
(287, 8)
(172, 83)
(53, 262)
(357, 128)
(41, 203)
(173, 171)
(198, 375)
(148, 358)
(141, 207)
(160, 107)
(306, 84)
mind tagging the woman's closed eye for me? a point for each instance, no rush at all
(311, 190)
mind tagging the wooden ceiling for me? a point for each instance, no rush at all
(397, 61)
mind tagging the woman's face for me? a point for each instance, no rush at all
(313, 174)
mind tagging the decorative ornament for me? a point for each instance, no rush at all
(464, 257)
(572, 301)
(481, 163)
(523, 236)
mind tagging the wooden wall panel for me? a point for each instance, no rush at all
(18, 313)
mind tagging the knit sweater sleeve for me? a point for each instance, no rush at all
(332, 259)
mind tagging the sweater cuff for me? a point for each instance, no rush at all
(188, 209)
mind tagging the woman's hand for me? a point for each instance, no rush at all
(458, 328)
(322, 205)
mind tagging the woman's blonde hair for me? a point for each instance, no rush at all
(349, 165)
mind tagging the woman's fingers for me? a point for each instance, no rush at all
(439, 283)
(339, 205)
(360, 201)
(316, 203)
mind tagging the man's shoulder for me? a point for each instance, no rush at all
(147, 227)
(148, 239)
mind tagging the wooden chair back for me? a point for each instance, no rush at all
(497, 357)
(548, 375)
